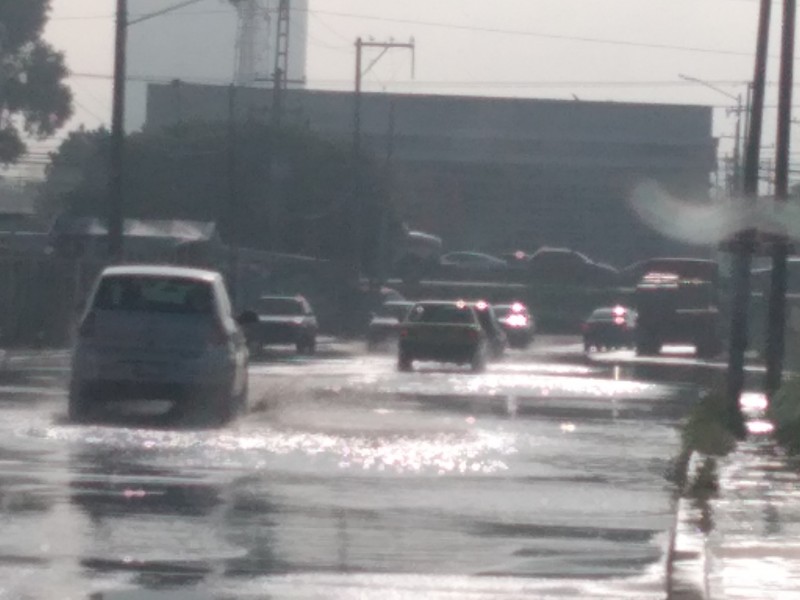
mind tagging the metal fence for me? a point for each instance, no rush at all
(39, 298)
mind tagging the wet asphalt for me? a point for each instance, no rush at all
(543, 477)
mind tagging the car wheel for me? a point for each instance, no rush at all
(78, 410)
(648, 347)
(255, 349)
(219, 405)
(478, 363)
(242, 403)
(405, 364)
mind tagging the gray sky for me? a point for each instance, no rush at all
(620, 50)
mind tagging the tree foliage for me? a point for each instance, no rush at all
(34, 99)
(206, 171)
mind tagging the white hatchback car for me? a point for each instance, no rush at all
(160, 332)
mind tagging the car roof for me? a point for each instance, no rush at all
(295, 298)
(470, 253)
(442, 303)
(161, 271)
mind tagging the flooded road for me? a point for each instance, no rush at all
(348, 480)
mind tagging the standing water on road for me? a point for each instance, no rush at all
(530, 480)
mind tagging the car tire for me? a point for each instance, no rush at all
(219, 405)
(79, 407)
(478, 362)
(242, 402)
(648, 347)
(405, 364)
(255, 349)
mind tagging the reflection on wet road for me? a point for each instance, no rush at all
(349, 480)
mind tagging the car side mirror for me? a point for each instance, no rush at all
(247, 317)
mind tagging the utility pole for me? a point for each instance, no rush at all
(279, 87)
(281, 72)
(744, 241)
(736, 183)
(115, 184)
(233, 215)
(776, 320)
(356, 210)
(382, 258)
(116, 153)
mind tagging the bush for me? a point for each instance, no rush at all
(710, 428)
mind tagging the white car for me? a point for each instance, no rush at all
(160, 333)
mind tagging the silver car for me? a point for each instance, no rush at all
(160, 332)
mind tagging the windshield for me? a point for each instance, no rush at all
(280, 306)
(445, 314)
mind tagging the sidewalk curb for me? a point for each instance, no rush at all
(687, 568)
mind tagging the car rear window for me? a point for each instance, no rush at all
(441, 313)
(603, 314)
(154, 294)
(280, 306)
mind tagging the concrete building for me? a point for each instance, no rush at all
(211, 41)
(502, 174)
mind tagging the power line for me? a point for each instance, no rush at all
(489, 30)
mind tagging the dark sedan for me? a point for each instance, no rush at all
(284, 320)
(610, 327)
(517, 322)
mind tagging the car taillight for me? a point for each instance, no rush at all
(87, 327)
(517, 320)
(619, 321)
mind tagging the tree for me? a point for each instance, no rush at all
(197, 171)
(34, 100)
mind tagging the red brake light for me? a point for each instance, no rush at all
(481, 305)
(619, 311)
(517, 307)
(619, 320)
